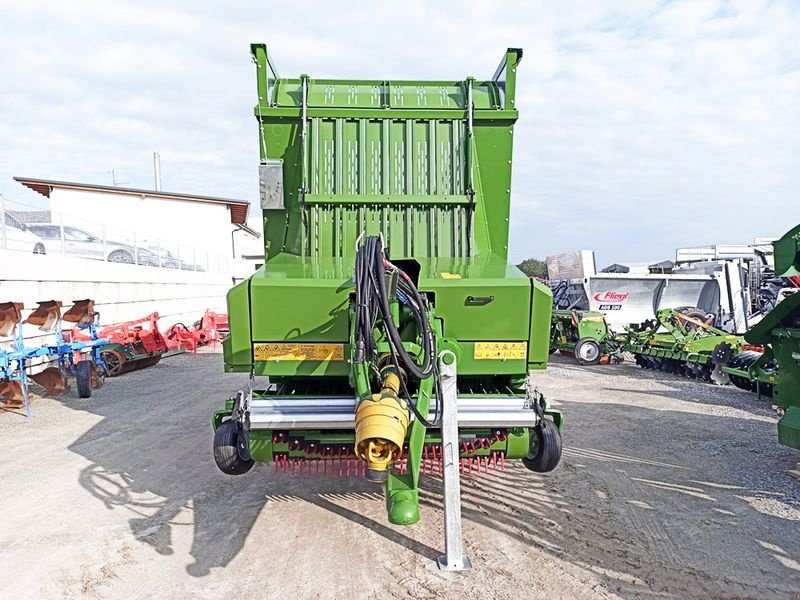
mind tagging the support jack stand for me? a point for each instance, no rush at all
(453, 558)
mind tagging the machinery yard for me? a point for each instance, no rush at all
(400, 320)
(117, 496)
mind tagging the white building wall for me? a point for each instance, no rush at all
(200, 226)
(121, 292)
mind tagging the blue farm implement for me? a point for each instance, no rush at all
(80, 359)
(15, 360)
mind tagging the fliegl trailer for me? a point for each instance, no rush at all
(386, 306)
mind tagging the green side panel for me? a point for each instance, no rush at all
(787, 352)
(237, 348)
(414, 160)
(479, 299)
(493, 144)
(789, 428)
(519, 443)
(261, 445)
(787, 253)
(779, 317)
(539, 334)
(295, 300)
(592, 325)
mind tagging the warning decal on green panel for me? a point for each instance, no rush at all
(264, 351)
(500, 351)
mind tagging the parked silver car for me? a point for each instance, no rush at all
(170, 261)
(80, 243)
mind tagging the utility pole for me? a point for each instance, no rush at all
(157, 170)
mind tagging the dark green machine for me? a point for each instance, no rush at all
(386, 210)
(778, 367)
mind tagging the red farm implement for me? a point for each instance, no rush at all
(131, 345)
(208, 330)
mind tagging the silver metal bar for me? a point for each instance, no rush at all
(453, 558)
(349, 402)
(337, 412)
(332, 418)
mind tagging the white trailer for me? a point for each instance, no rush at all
(717, 287)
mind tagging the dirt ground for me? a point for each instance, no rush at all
(668, 488)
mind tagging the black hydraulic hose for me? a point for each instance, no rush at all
(372, 299)
(419, 371)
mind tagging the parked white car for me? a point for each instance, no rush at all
(17, 236)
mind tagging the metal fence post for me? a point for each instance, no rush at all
(103, 232)
(453, 558)
(61, 230)
(3, 221)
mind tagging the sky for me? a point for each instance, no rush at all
(644, 125)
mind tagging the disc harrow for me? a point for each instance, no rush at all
(682, 342)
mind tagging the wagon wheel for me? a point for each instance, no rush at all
(114, 360)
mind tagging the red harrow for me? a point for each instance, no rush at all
(208, 330)
(131, 345)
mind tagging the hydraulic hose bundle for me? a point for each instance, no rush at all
(374, 274)
(373, 300)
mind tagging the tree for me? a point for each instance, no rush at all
(533, 267)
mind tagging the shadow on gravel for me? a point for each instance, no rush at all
(645, 517)
(328, 493)
(151, 456)
(631, 502)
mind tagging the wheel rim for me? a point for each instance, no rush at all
(119, 257)
(589, 352)
(113, 360)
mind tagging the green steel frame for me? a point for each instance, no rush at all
(779, 332)
(427, 166)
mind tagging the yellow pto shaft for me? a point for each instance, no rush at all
(381, 424)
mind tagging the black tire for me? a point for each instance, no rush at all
(545, 450)
(83, 378)
(226, 454)
(588, 351)
(693, 313)
(121, 256)
(39, 249)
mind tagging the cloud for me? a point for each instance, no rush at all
(643, 126)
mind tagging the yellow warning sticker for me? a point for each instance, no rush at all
(288, 351)
(500, 351)
(450, 275)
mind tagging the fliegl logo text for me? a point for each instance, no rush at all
(611, 300)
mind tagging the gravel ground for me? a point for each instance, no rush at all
(668, 488)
